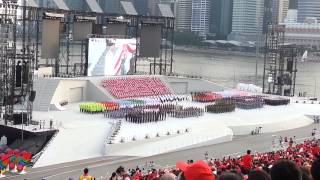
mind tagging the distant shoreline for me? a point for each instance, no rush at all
(215, 51)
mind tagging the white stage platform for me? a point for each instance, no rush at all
(85, 135)
(80, 136)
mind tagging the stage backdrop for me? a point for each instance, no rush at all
(111, 56)
(50, 38)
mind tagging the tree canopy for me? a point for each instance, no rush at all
(187, 38)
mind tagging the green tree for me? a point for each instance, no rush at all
(187, 38)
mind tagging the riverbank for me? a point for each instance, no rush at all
(211, 51)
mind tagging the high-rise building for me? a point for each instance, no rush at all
(283, 10)
(247, 20)
(292, 15)
(308, 9)
(275, 10)
(183, 15)
(268, 15)
(293, 4)
(200, 17)
(221, 18)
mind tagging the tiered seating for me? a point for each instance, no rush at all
(302, 157)
(130, 87)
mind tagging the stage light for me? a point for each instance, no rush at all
(120, 18)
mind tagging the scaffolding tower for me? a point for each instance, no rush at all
(16, 63)
(8, 60)
(280, 63)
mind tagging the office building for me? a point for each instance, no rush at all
(200, 17)
(247, 20)
(220, 18)
(183, 15)
(283, 10)
(308, 9)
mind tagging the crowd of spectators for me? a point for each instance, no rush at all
(296, 162)
(130, 87)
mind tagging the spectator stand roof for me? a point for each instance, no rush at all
(61, 4)
(31, 3)
(94, 6)
(165, 10)
(128, 8)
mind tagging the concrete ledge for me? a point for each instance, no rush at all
(199, 135)
(281, 125)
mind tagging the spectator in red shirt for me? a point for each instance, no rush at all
(153, 174)
(137, 175)
(247, 161)
(195, 171)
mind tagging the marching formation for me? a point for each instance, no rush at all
(221, 106)
(250, 102)
(181, 112)
(157, 108)
(145, 116)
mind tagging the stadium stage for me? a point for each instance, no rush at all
(59, 99)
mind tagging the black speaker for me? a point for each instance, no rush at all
(25, 72)
(286, 92)
(32, 96)
(18, 74)
(289, 65)
(19, 118)
(97, 29)
(279, 80)
(9, 100)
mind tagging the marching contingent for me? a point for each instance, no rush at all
(158, 108)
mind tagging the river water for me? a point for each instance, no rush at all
(228, 70)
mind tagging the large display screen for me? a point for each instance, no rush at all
(111, 56)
